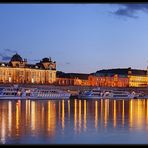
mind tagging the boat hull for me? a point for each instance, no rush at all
(53, 97)
(90, 97)
(114, 98)
(109, 97)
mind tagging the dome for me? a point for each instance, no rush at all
(16, 57)
(45, 60)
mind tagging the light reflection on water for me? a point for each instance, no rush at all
(74, 121)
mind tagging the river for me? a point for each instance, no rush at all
(74, 121)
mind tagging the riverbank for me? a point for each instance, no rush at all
(74, 90)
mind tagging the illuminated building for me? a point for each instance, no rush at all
(125, 77)
(119, 78)
(18, 70)
(137, 78)
(108, 81)
(77, 79)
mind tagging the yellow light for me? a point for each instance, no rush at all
(122, 112)
(80, 115)
(49, 117)
(115, 113)
(96, 114)
(63, 114)
(9, 116)
(101, 110)
(3, 130)
(131, 113)
(33, 115)
(140, 114)
(106, 112)
(85, 115)
(75, 115)
(147, 113)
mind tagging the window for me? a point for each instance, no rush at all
(1, 73)
(17, 65)
(50, 75)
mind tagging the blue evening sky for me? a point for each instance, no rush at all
(81, 38)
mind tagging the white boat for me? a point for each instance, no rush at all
(108, 94)
(91, 94)
(30, 93)
(50, 94)
(118, 94)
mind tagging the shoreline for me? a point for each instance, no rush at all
(74, 90)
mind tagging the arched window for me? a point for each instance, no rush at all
(17, 65)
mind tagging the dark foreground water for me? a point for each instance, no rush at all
(74, 122)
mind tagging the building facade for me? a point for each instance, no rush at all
(18, 71)
(108, 81)
(73, 79)
(122, 77)
(138, 78)
(106, 78)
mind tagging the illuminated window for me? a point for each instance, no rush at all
(32, 80)
(10, 79)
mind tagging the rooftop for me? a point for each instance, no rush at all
(121, 71)
(72, 75)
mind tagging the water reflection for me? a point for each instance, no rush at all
(85, 114)
(33, 116)
(50, 118)
(63, 114)
(114, 114)
(96, 114)
(9, 117)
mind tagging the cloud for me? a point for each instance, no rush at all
(10, 50)
(6, 54)
(130, 10)
(4, 57)
(36, 60)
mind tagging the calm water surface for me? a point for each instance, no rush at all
(74, 121)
